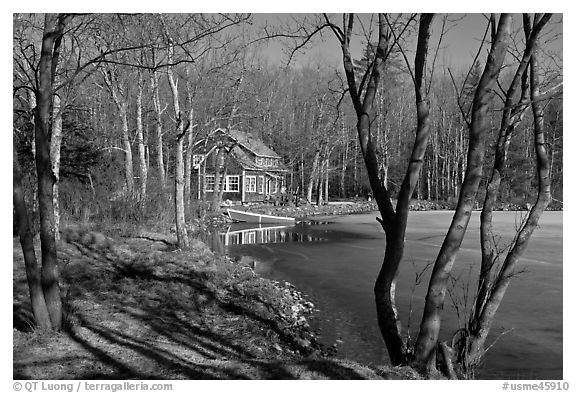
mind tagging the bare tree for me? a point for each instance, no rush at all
(494, 277)
(140, 141)
(181, 130)
(118, 90)
(363, 91)
(158, 110)
(54, 26)
(427, 341)
(39, 309)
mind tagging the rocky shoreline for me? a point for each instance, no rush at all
(306, 211)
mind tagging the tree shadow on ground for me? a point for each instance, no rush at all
(159, 319)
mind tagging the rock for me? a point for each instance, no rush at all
(302, 342)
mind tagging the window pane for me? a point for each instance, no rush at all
(232, 183)
(250, 184)
(209, 183)
(260, 184)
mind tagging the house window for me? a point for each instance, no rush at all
(260, 184)
(209, 183)
(275, 187)
(259, 161)
(197, 159)
(250, 184)
(232, 183)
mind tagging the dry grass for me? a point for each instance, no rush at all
(138, 308)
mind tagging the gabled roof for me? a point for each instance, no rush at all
(251, 143)
(247, 162)
(244, 147)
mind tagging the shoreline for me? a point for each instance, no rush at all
(136, 307)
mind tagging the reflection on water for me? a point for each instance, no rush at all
(338, 273)
(252, 233)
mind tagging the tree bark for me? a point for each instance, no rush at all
(485, 314)
(121, 104)
(49, 274)
(385, 286)
(55, 143)
(140, 141)
(511, 117)
(159, 141)
(188, 164)
(39, 309)
(181, 233)
(427, 340)
(313, 176)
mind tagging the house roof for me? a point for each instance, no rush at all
(248, 163)
(255, 145)
(245, 143)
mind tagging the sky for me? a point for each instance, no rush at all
(459, 45)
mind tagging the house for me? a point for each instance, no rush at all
(254, 172)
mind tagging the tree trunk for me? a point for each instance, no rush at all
(128, 160)
(39, 309)
(385, 286)
(313, 176)
(44, 94)
(511, 117)
(427, 340)
(319, 185)
(188, 165)
(115, 90)
(343, 193)
(224, 173)
(326, 183)
(181, 233)
(492, 296)
(141, 146)
(219, 179)
(55, 143)
(159, 141)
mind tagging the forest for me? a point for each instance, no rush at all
(108, 110)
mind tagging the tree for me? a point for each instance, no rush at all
(181, 130)
(363, 91)
(494, 277)
(427, 340)
(54, 26)
(39, 308)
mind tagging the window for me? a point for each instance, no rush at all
(250, 184)
(232, 183)
(209, 183)
(259, 161)
(197, 159)
(260, 184)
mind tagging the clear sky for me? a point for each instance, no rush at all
(460, 43)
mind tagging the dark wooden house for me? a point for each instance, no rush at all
(254, 172)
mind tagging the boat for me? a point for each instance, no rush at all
(244, 216)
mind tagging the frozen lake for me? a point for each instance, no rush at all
(336, 262)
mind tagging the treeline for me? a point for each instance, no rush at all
(121, 116)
